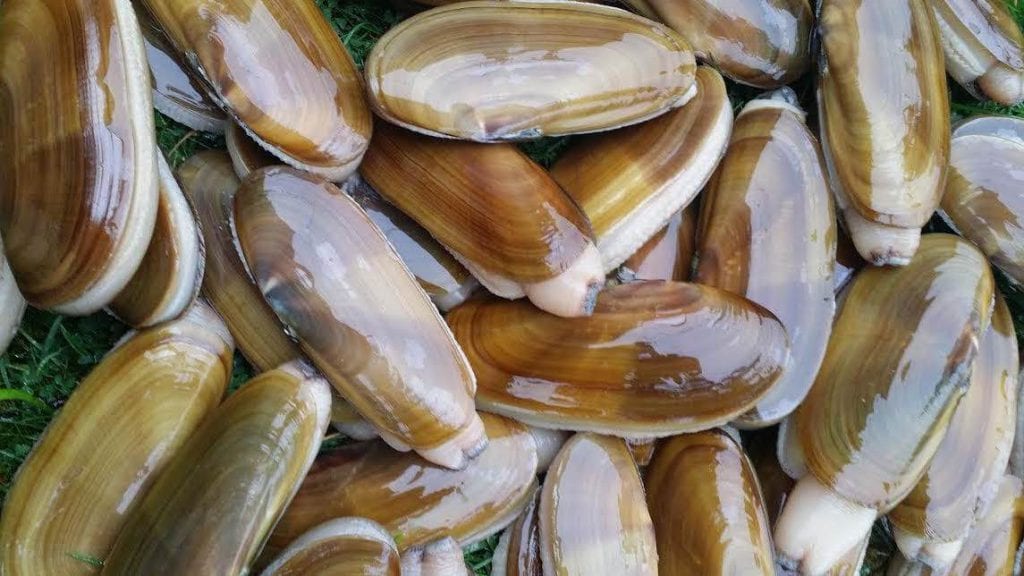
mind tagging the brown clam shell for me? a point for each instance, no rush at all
(593, 517)
(518, 551)
(280, 71)
(649, 362)
(341, 547)
(984, 48)
(708, 512)
(110, 442)
(628, 182)
(668, 254)
(492, 71)
(78, 191)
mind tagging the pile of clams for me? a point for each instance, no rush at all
(708, 339)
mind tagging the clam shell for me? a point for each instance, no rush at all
(12, 304)
(642, 450)
(440, 558)
(518, 551)
(213, 506)
(885, 121)
(493, 71)
(668, 254)
(497, 211)
(593, 517)
(708, 512)
(629, 182)
(110, 442)
(984, 47)
(169, 277)
(281, 72)
(78, 196)
(993, 544)
(1006, 127)
(763, 43)
(344, 547)
(767, 232)
(848, 261)
(775, 484)
(414, 498)
(650, 362)
(246, 155)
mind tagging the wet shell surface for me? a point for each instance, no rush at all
(417, 499)
(493, 71)
(763, 43)
(708, 512)
(78, 195)
(668, 254)
(280, 71)
(212, 508)
(518, 551)
(768, 233)
(113, 438)
(439, 558)
(593, 517)
(649, 362)
(629, 182)
(341, 547)
(246, 155)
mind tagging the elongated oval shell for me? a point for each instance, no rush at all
(497, 211)
(707, 508)
(214, 505)
(169, 277)
(281, 72)
(518, 550)
(768, 233)
(668, 254)
(593, 516)
(629, 182)
(418, 500)
(763, 43)
(78, 191)
(885, 121)
(341, 547)
(492, 71)
(110, 442)
(650, 362)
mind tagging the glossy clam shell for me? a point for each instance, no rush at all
(648, 363)
(518, 550)
(763, 43)
(341, 547)
(214, 505)
(708, 512)
(110, 442)
(885, 120)
(493, 71)
(629, 182)
(984, 47)
(994, 541)
(332, 278)
(280, 71)
(897, 363)
(768, 233)
(668, 254)
(593, 517)
(417, 499)
(78, 195)
(439, 558)
(965, 472)
(169, 277)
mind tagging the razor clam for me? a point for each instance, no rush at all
(439, 558)
(655, 359)
(12, 304)
(113, 438)
(708, 512)
(984, 48)
(931, 522)
(629, 182)
(897, 363)
(984, 198)
(213, 506)
(884, 115)
(517, 70)
(340, 547)
(762, 43)
(412, 497)
(767, 232)
(518, 550)
(281, 72)
(498, 212)
(78, 195)
(335, 282)
(593, 517)
(668, 254)
(168, 279)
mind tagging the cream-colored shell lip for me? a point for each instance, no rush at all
(12, 304)
(338, 528)
(189, 118)
(128, 254)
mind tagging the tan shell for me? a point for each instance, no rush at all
(642, 450)
(214, 505)
(593, 517)
(668, 254)
(439, 558)
(518, 551)
(12, 304)
(493, 71)
(655, 359)
(107, 446)
(984, 48)
(78, 196)
(341, 547)
(629, 182)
